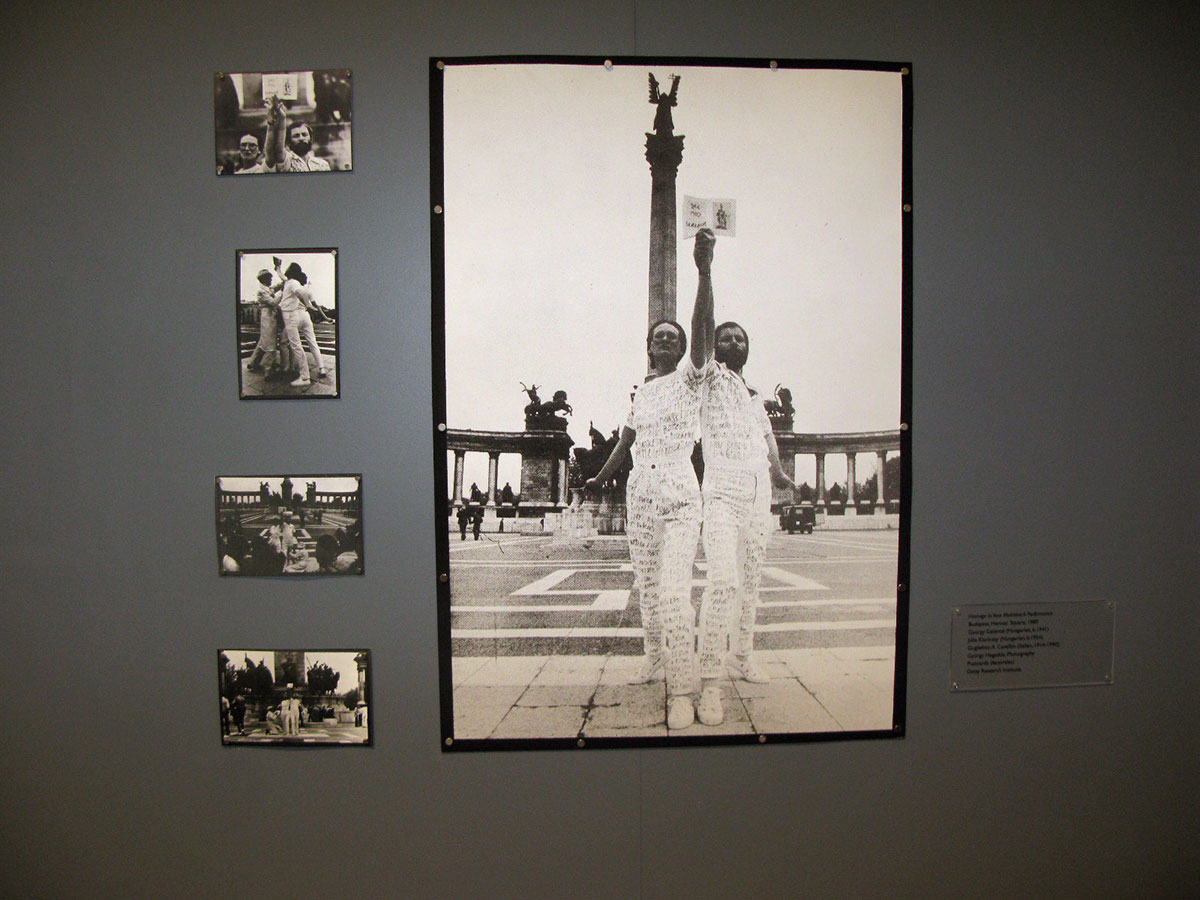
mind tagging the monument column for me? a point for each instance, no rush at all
(493, 468)
(851, 500)
(664, 152)
(360, 661)
(821, 498)
(459, 456)
(879, 483)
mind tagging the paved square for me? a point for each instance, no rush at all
(546, 636)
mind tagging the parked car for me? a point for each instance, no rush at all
(801, 517)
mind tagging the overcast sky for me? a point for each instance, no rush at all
(324, 483)
(547, 207)
(321, 269)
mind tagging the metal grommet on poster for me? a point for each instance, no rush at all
(579, 743)
(443, 578)
(608, 64)
(774, 65)
(441, 426)
(437, 209)
(440, 64)
(449, 742)
(762, 738)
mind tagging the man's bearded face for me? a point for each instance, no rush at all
(733, 348)
(301, 140)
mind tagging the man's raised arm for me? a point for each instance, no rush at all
(276, 133)
(703, 321)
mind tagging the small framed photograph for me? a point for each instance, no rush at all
(271, 122)
(289, 525)
(317, 698)
(287, 324)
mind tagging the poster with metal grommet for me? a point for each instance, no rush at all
(671, 350)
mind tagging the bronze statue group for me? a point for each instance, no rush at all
(668, 513)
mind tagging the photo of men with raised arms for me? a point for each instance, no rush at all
(288, 332)
(694, 540)
(283, 122)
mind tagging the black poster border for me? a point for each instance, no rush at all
(449, 743)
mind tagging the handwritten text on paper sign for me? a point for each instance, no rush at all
(718, 215)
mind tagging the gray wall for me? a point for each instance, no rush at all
(1054, 448)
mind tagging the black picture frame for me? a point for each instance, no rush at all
(340, 731)
(245, 516)
(248, 316)
(454, 737)
(323, 100)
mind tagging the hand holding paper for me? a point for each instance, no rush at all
(719, 216)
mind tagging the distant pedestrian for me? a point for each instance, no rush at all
(477, 521)
(464, 518)
(224, 715)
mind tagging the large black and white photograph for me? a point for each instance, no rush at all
(294, 697)
(674, 300)
(287, 324)
(289, 525)
(271, 122)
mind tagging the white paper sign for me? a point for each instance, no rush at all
(718, 215)
(281, 85)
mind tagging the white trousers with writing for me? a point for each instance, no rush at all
(663, 510)
(737, 504)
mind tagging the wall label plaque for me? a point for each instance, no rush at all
(1001, 646)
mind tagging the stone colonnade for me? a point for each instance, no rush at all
(328, 499)
(241, 498)
(851, 445)
(544, 462)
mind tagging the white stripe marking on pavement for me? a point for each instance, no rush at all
(612, 565)
(619, 600)
(834, 542)
(793, 580)
(848, 601)
(483, 545)
(605, 601)
(544, 584)
(499, 633)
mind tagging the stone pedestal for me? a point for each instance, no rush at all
(544, 457)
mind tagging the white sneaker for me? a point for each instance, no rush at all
(680, 712)
(747, 670)
(710, 710)
(653, 669)
(301, 382)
